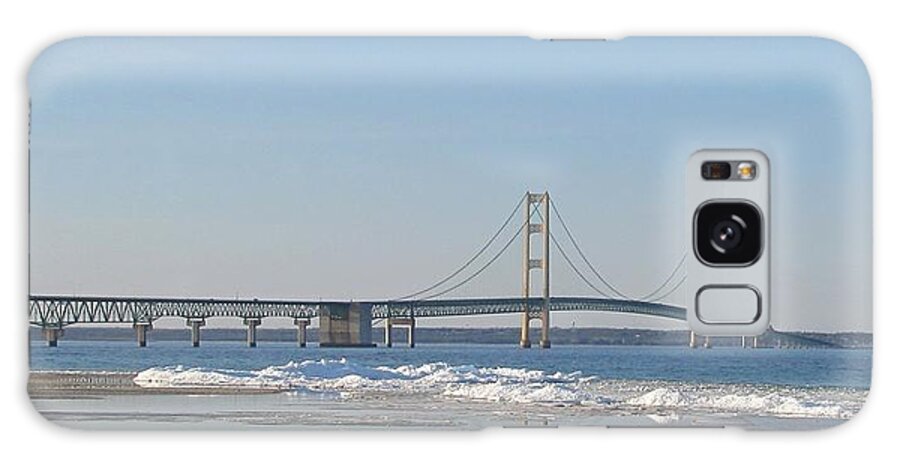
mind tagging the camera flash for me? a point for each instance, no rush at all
(746, 170)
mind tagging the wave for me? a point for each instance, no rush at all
(753, 400)
(501, 384)
(517, 385)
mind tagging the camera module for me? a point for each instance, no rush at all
(728, 233)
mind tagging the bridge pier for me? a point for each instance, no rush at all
(195, 325)
(524, 340)
(525, 337)
(345, 325)
(52, 334)
(409, 322)
(692, 342)
(706, 342)
(545, 329)
(301, 331)
(755, 342)
(252, 323)
(140, 331)
(388, 325)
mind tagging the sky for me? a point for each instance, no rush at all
(363, 168)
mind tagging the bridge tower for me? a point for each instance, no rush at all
(542, 227)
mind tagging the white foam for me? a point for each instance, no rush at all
(773, 401)
(465, 381)
(522, 393)
(517, 385)
(661, 397)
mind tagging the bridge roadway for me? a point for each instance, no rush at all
(53, 313)
(61, 311)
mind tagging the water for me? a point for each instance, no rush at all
(828, 368)
(463, 386)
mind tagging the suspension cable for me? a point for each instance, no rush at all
(486, 265)
(572, 265)
(671, 290)
(471, 260)
(583, 257)
(668, 279)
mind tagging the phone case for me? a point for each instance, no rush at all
(437, 232)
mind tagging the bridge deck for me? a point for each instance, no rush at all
(59, 311)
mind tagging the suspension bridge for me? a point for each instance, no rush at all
(349, 323)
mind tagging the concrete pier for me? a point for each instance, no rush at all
(388, 325)
(252, 323)
(755, 342)
(301, 324)
(195, 325)
(692, 343)
(52, 334)
(140, 331)
(409, 323)
(345, 325)
(748, 342)
(524, 340)
(706, 342)
(545, 329)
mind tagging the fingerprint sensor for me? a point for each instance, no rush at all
(728, 304)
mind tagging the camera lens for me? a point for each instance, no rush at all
(728, 233)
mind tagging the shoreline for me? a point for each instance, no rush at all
(105, 398)
(85, 384)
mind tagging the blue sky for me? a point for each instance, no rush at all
(369, 168)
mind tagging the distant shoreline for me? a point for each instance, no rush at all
(488, 336)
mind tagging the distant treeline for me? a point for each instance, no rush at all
(559, 336)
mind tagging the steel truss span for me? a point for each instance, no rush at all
(61, 311)
(485, 306)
